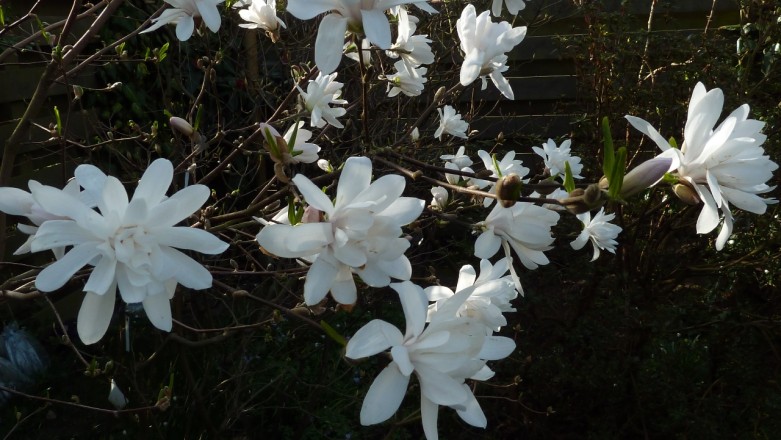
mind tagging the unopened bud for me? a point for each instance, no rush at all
(580, 200)
(546, 187)
(686, 194)
(645, 175)
(181, 126)
(415, 135)
(593, 195)
(508, 189)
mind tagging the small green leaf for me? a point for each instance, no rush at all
(608, 154)
(293, 139)
(59, 121)
(569, 181)
(333, 334)
(672, 142)
(291, 211)
(198, 118)
(162, 53)
(617, 179)
(120, 48)
(272, 143)
(496, 166)
(2, 16)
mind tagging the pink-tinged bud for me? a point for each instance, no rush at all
(312, 215)
(181, 126)
(686, 194)
(645, 175)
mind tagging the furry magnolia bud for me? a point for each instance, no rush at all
(181, 126)
(508, 189)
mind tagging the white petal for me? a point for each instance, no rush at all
(415, 304)
(306, 9)
(158, 310)
(102, 277)
(95, 315)
(319, 280)
(302, 240)
(400, 356)
(355, 178)
(58, 273)
(209, 13)
(373, 338)
(179, 206)
(344, 291)
(581, 241)
(726, 230)
(646, 128)
(709, 216)
(496, 347)
(471, 412)
(313, 195)
(58, 233)
(404, 210)
(330, 42)
(185, 28)
(190, 238)
(155, 182)
(189, 272)
(487, 245)
(429, 413)
(14, 201)
(384, 396)
(439, 387)
(376, 27)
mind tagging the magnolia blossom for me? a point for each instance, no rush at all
(513, 6)
(441, 197)
(556, 157)
(320, 93)
(491, 294)
(599, 230)
(261, 14)
(293, 151)
(450, 122)
(413, 49)
(724, 165)
(365, 17)
(183, 15)
(360, 233)
(458, 161)
(442, 355)
(508, 165)
(129, 243)
(524, 226)
(484, 44)
(407, 80)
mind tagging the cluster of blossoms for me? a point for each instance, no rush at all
(132, 243)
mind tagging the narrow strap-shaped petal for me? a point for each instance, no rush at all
(313, 195)
(95, 315)
(191, 239)
(374, 337)
(189, 272)
(415, 304)
(330, 42)
(185, 27)
(429, 413)
(355, 178)
(58, 233)
(470, 411)
(319, 280)
(439, 387)
(179, 206)
(209, 13)
(384, 396)
(376, 27)
(158, 310)
(58, 273)
(306, 9)
(14, 201)
(155, 182)
(102, 277)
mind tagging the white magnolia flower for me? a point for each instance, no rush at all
(365, 17)
(301, 151)
(129, 243)
(484, 44)
(360, 233)
(440, 197)
(320, 93)
(513, 7)
(183, 15)
(508, 165)
(491, 294)
(460, 160)
(325, 165)
(261, 14)
(413, 49)
(555, 158)
(524, 226)
(599, 230)
(407, 80)
(724, 165)
(450, 122)
(442, 355)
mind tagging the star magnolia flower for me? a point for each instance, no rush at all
(129, 243)
(484, 44)
(442, 355)
(460, 160)
(724, 165)
(451, 123)
(407, 80)
(365, 17)
(360, 233)
(599, 230)
(299, 151)
(261, 14)
(321, 92)
(183, 15)
(491, 294)
(524, 226)
(513, 7)
(555, 158)
(413, 49)
(440, 197)
(508, 165)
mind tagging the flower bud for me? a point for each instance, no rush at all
(508, 189)
(181, 126)
(546, 187)
(686, 194)
(645, 175)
